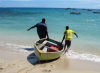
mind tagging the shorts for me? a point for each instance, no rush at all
(68, 43)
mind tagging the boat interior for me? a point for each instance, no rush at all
(49, 45)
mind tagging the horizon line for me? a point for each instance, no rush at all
(49, 7)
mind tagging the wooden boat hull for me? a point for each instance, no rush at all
(46, 55)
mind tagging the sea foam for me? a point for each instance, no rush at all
(21, 48)
(83, 56)
(70, 54)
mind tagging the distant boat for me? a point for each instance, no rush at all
(74, 9)
(71, 8)
(75, 13)
(89, 10)
(84, 9)
(67, 8)
(48, 49)
(97, 12)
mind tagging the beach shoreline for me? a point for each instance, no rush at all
(12, 61)
(17, 44)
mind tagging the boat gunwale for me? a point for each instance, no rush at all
(48, 52)
(60, 51)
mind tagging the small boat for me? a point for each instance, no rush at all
(48, 49)
(96, 12)
(89, 9)
(67, 8)
(75, 13)
(74, 9)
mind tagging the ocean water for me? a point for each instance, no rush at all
(14, 23)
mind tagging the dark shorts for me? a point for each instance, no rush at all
(68, 43)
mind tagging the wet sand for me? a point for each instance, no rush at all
(12, 61)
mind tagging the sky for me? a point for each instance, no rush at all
(94, 4)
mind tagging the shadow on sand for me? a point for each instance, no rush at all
(28, 49)
(34, 60)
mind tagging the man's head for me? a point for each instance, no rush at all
(43, 20)
(67, 27)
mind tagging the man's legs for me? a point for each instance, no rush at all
(68, 43)
(65, 45)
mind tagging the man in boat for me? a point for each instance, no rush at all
(68, 37)
(41, 29)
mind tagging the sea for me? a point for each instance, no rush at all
(14, 23)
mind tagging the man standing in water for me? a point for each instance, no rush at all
(68, 37)
(41, 29)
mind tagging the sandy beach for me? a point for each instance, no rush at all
(16, 43)
(12, 61)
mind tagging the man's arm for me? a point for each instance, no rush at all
(47, 35)
(31, 27)
(46, 32)
(76, 35)
(63, 37)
